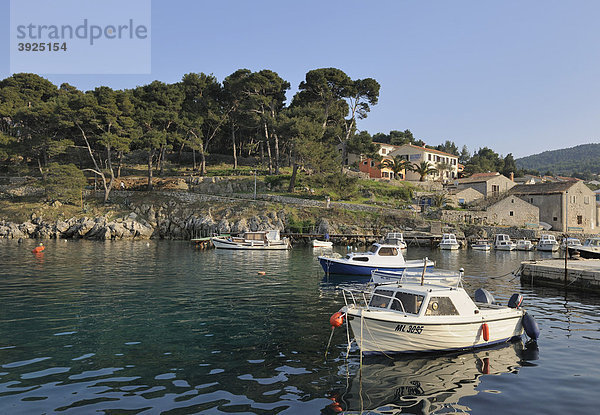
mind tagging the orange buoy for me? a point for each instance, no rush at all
(337, 319)
(485, 331)
(38, 249)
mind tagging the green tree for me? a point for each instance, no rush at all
(64, 183)
(509, 165)
(423, 169)
(397, 165)
(440, 199)
(362, 143)
(157, 109)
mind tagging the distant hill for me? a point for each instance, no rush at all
(566, 162)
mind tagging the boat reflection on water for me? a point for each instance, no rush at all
(424, 383)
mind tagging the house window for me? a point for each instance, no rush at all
(511, 213)
(365, 162)
(429, 157)
(554, 219)
(495, 188)
(372, 164)
(586, 200)
(384, 174)
(383, 151)
(461, 201)
(512, 201)
(579, 220)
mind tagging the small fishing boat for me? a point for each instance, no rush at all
(395, 238)
(449, 242)
(503, 243)
(315, 243)
(258, 240)
(590, 249)
(571, 243)
(481, 245)
(524, 245)
(427, 313)
(380, 256)
(547, 243)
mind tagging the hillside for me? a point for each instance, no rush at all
(580, 159)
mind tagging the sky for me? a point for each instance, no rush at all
(518, 77)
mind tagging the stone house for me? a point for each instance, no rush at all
(488, 184)
(509, 211)
(459, 197)
(567, 206)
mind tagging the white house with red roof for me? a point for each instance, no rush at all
(446, 163)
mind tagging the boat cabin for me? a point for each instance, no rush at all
(592, 242)
(377, 252)
(423, 301)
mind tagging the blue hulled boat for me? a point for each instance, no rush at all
(383, 257)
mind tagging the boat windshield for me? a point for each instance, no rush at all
(441, 306)
(411, 302)
(373, 249)
(381, 298)
(386, 251)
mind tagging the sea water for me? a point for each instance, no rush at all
(159, 327)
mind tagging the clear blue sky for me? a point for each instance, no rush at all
(519, 77)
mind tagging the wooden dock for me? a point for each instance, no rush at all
(583, 274)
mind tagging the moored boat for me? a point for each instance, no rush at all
(315, 243)
(547, 243)
(449, 242)
(395, 238)
(503, 243)
(524, 245)
(258, 240)
(481, 245)
(571, 243)
(590, 249)
(418, 314)
(379, 256)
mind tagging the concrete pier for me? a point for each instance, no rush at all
(583, 274)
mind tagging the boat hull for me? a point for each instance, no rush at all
(221, 243)
(585, 252)
(547, 248)
(416, 336)
(321, 244)
(449, 247)
(343, 267)
(481, 247)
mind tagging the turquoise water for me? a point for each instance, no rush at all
(158, 327)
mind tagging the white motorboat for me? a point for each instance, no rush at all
(258, 240)
(524, 245)
(547, 243)
(379, 256)
(449, 242)
(503, 243)
(416, 314)
(315, 243)
(481, 245)
(395, 238)
(571, 243)
(590, 249)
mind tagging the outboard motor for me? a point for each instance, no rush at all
(515, 301)
(531, 327)
(483, 296)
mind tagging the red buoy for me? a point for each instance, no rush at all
(337, 319)
(485, 331)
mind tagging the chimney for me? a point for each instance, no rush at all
(512, 176)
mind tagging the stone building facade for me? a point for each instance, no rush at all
(488, 184)
(510, 211)
(567, 206)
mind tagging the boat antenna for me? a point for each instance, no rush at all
(423, 273)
